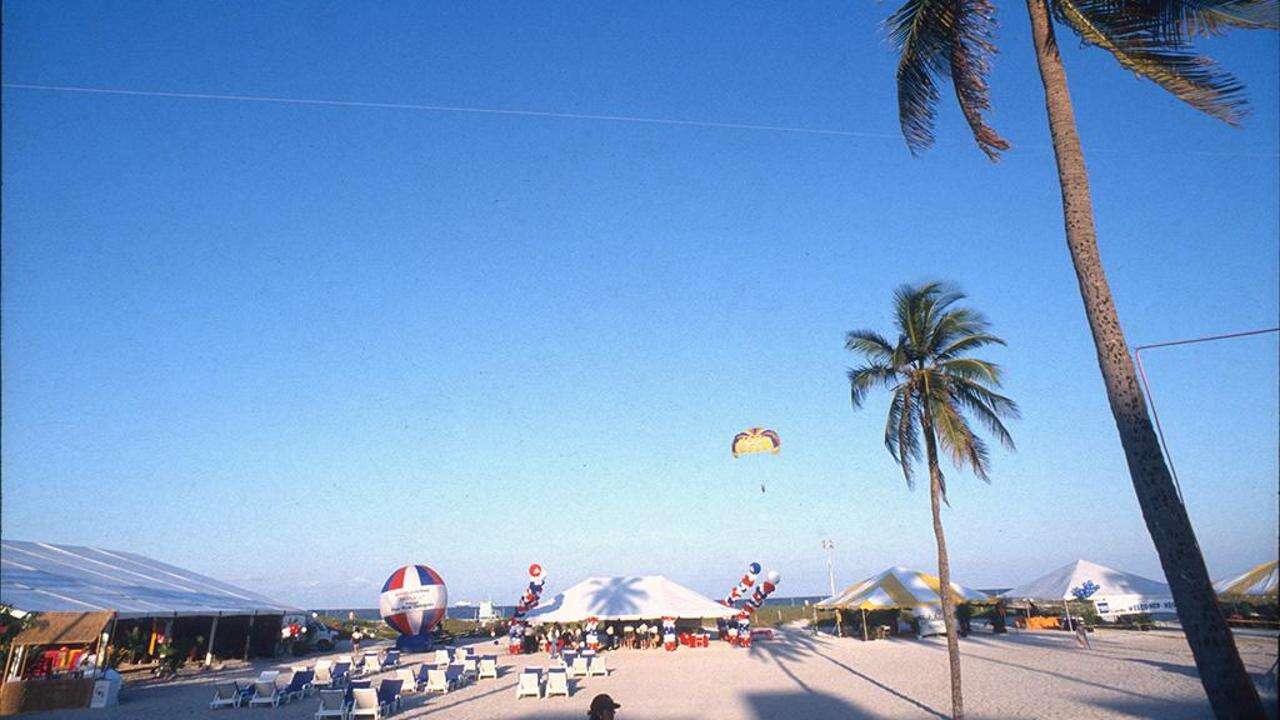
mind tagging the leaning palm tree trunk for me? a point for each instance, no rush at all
(1230, 691)
(944, 564)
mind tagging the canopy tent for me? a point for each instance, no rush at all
(43, 577)
(1113, 592)
(628, 598)
(1259, 581)
(898, 587)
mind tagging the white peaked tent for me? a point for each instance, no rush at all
(637, 597)
(1112, 591)
(1261, 580)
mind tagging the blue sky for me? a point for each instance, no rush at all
(295, 346)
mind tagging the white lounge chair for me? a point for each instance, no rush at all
(333, 704)
(530, 684)
(579, 667)
(372, 663)
(597, 666)
(557, 682)
(442, 657)
(227, 694)
(406, 676)
(488, 667)
(324, 675)
(438, 680)
(364, 704)
(266, 693)
(470, 672)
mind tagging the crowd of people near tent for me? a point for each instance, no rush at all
(642, 634)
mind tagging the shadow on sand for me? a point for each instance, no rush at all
(794, 646)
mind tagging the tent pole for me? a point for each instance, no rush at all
(213, 630)
(248, 634)
(864, 624)
(104, 644)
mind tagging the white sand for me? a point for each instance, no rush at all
(798, 677)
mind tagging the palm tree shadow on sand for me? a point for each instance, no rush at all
(796, 646)
(618, 596)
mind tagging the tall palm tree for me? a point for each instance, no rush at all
(937, 390)
(955, 39)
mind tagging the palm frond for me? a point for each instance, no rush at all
(971, 369)
(921, 29)
(969, 342)
(972, 47)
(908, 443)
(870, 344)
(988, 407)
(1142, 44)
(1220, 16)
(957, 438)
(863, 379)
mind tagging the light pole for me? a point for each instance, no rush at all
(829, 546)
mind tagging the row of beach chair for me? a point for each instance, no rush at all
(531, 682)
(266, 690)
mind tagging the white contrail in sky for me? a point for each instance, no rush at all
(316, 102)
(453, 109)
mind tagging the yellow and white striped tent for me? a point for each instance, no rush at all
(898, 587)
(1259, 581)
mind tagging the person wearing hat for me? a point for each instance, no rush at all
(602, 708)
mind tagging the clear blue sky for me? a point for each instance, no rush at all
(296, 346)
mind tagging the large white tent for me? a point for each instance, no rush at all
(43, 577)
(637, 597)
(1113, 592)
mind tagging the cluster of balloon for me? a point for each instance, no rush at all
(669, 633)
(744, 585)
(764, 591)
(413, 601)
(744, 628)
(754, 441)
(591, 629)
(528, 601)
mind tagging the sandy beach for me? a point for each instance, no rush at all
(798, 676)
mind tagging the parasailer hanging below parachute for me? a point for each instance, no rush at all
(756, 440)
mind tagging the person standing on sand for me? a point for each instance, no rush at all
(1082, 636)
(602, 708)
(356, 637)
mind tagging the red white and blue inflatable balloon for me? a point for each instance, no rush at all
(413, 601)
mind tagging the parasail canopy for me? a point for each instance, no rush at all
(755, 440)
(898, 587)
(1261, 580)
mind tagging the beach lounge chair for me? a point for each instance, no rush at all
(530, 683)
(372, 664)
(408, 681)
(438, 680)
(389, 695)
(457, 674)
(557, 682)
(597, 667)
(578, 668)
(442, 657)
(333, 704)
(299, 685)
(470, 671)
(420, 675)
(391, 659)
(324, 675)
(341, 673)
(364, 704)
(488, 667)
(567, 657)
(266, 693)
(228, 694)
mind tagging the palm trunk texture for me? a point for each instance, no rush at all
(1229, 688)
(944, 566)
